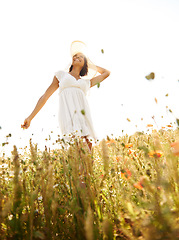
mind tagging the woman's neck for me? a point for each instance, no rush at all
(76, 72)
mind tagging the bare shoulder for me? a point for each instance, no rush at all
(58, 75)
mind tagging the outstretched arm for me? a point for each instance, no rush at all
(41, 102)
(104, 74)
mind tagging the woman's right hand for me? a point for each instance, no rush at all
(26, 123)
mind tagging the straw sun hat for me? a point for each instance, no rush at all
(80, 47)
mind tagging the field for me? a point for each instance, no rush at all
(126, 188)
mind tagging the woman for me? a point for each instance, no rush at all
(74, 114)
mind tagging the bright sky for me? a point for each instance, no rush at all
(138, 37)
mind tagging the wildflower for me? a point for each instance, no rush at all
(175, 147)
(132, 151)
(40, 198)
(125, 174)
(138, 185)
(128, 145)
(156, 154)
(119, 158)
(169, 126)
(149, 125)
(143, 182)
(110, 142)
(4, 165)
(129, 151)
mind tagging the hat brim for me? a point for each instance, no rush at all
(80, 47)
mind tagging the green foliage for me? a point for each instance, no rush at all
(177, 121)
(98, 85)
(126, 188)
(83, 111)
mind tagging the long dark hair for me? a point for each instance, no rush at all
(84, 70)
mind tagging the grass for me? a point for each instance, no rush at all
(127, 188)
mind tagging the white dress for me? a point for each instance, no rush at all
(74, 112)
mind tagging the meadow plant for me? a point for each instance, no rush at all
(126, 188)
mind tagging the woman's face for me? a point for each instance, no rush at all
(78, 60)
